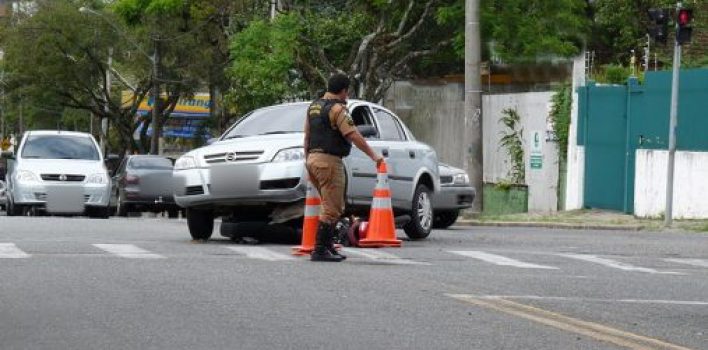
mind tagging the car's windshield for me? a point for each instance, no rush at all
(273, 120)
(60, 147)
(150, 163)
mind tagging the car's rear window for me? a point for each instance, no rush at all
(273, 120)
(60, 147)
(150, 163)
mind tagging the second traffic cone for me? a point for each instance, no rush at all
(311, 221)
(381, 230)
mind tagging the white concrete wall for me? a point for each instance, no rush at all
(533, 108)
(690, 184)
(575, 179)
(434, 111)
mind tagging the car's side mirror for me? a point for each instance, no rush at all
(367, 130)
(212, 140)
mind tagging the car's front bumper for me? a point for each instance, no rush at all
(240, 184)
(454, 198)
(37, 193)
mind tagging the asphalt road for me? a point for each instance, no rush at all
(140, 283)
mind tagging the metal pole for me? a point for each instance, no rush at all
(672, 131)
(472, 162)
(155, 140)
(106, 107)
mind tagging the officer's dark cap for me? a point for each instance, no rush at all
(337, 83)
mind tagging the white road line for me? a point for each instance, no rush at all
(627, 301)
(10, 251)
(128, 251)
(383, 256)
(616, 264)
(693, 262)
(261, 253)
(500, 260)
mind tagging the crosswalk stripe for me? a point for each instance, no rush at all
(500, 260)
(261, 253)
(128, 251)
(10, 251)
(616, 264)
(382, 256)
(693, 262)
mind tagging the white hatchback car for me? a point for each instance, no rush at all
(58, 172)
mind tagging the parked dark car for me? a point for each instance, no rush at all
(143, 183)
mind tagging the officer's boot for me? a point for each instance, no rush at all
(322, 244)
(338, 230)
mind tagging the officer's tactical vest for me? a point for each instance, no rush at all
(323, 136)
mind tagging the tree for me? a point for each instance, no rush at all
(374, 42)
(56, 61)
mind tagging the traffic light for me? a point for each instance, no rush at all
(684, 31)
(659, 28)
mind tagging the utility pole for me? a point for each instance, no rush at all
(668, 214)
(156, 130)
(106, 107)
(472, 126)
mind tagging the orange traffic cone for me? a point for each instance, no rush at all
(381, 231)
(310, 222)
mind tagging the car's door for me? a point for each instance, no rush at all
(401, 160)
(361, 170)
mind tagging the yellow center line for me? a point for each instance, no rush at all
(569, 324)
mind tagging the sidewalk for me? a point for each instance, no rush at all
(588, 219)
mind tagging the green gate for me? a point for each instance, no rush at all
(616, 120)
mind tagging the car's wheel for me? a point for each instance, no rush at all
(200, 223)
(421, 214)
(99, 212)
(14, 209)
(445, 219)
(122, 208)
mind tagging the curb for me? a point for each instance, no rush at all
(551, 225)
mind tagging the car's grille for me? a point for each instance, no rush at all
(59, 177)
(193, 190)
(445, 180)
(41, 196)
(280, 184)
(230, 157)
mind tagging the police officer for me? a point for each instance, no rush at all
(329, 135)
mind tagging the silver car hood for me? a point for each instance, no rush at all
(62, 166)
(269, 145)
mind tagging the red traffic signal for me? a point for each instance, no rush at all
(684, 31)
(684, 17)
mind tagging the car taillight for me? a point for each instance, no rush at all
(132, 180)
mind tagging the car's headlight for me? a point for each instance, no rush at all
(185, 162)
(290, 155)
(461, 179)
(26, 176)
(97, 179)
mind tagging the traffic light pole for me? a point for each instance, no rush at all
(668, 213)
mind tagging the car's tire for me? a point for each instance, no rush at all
(445, 219)
(14, 209)
(122, 209)
(421, 223)
(99, 212)
(200, 223)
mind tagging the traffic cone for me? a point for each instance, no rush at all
(310, 222)
(381, 230)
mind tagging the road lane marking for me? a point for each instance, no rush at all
(692, 262)
(10, 251)
(261, 253)
(500, 260)
(624, 301)
(382, 256)
(590, 329)
(616, 264)
(128, 251)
